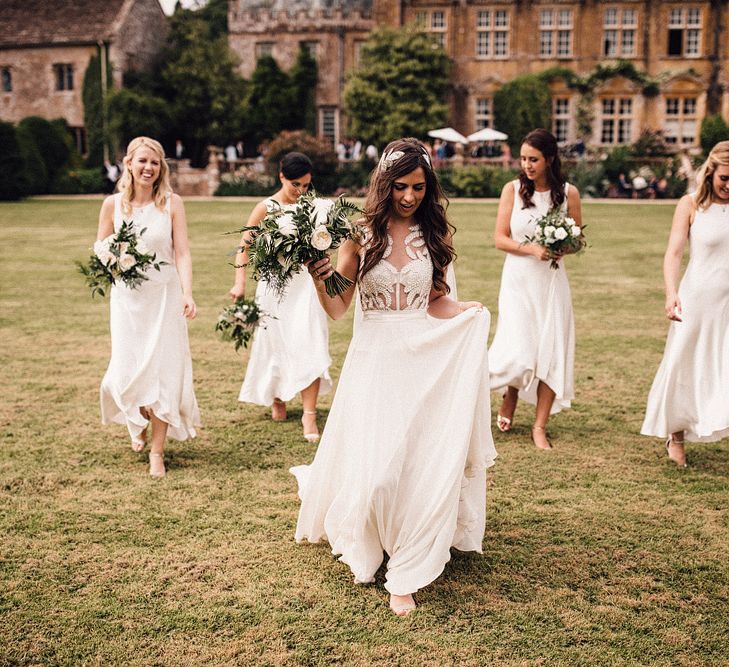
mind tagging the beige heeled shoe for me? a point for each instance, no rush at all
(545, 444)
(676, 452)
(312, 436)
(157, 464)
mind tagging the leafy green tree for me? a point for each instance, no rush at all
(520, 106)
(303, 76)
(13, 178)
(134, 113)
(93, 99)
(200, 82)
(270, 102)
(320, 152)
(399, 88)
(713, 130)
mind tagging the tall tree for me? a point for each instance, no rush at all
(93, 99)
(399, 88)
(521, 105)
(270, 102)
(204, 90)
(304, 75)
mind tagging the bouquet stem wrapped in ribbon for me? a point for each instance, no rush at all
(558, 233)
(121, 257)
(289, 238)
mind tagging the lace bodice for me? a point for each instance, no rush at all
(402, 279)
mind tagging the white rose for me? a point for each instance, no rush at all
(549, 230)
(321, 239)
(575, 231)
(142, 247)
(122, 247)
(126, 262)
(286, 225)
(321, 211)
(560, 233)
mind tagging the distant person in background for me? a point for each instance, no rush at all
(624, 188)
(231, 156)
(239, 148)
(112, 174)
(179, 149)
(371, 153)
(357, 150)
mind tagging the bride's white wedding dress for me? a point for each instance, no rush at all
(401, 467)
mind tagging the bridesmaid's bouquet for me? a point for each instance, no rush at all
(238, 321)
(289, 238)
(121, 257)
(559, 234)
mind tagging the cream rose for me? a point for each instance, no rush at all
(126, 262)
(560, 233)
(321, 239)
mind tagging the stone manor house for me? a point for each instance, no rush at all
(680, 48)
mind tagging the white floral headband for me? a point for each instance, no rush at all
(388, 159)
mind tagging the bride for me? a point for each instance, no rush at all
(401, 465)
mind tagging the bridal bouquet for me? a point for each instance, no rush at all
(238, 321)
(288, 238)
(122, 257)
(559, 234)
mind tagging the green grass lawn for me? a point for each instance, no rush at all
(598, 553)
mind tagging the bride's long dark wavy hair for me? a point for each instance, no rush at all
(546, 144)
(430, 215)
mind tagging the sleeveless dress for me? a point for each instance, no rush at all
(401, 464)
(292, 349)
(150, 362)
(535, 331)
(690, 389)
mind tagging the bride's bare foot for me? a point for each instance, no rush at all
(278, 410)
(402, 605)
(539, 437)
(157, 464)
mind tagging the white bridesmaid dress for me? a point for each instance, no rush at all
(150, 362)
(535, 331)
(401, 466)
(690, 389)
(291, 349)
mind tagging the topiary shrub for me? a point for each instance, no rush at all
(713, 130)
(617, 161)
(51, 143)
(319, 151)
(588, 178)
(651, 143)
(475, 180)
(235, 186)
(13, 180)
(34, 168)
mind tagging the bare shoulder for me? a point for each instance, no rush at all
(108, 204)
(507, 192)
(573, 195)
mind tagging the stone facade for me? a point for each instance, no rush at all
(682, 45)
(45, 48)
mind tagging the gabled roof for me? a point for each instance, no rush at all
(58, 22)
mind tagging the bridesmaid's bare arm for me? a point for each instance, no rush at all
(106, 219)
(674, 253)
(183, 259)
(241, 257)
(502, 232)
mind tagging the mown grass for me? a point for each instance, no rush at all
(597, 553)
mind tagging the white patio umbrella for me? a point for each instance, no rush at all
(448, 134)
(488, 134)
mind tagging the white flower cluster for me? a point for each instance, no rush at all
(551, 233)
(125, 261)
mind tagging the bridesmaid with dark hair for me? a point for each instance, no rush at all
(291, 353)
(532, 354)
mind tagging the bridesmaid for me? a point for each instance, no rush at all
(532, 354)
(291, 354)
(401, 467)
(688, 398)
(149, 379)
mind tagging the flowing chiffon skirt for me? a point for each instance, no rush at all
(292, 349)
(401, 467)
